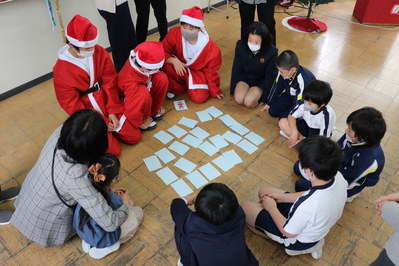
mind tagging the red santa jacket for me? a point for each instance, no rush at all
(134, 85)
(203, 68)
(71, 77)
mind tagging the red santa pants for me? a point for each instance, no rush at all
(178, 84)
(149, 105)
(113, 145)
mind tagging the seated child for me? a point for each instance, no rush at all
(192, 59)
(144, 87)
(300, 221)
(85, 78)
(388, 209)
(312, 116)
(363, 156)
(254, 67)
(95, 240)
(288, 87)
(214, 234)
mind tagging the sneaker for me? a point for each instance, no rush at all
(350, 199)
(317, 254)
(5, 217)
(171, 95)
(152, 126)
(284, 135)
(99, 253)
(85, 246)
(157, 117)
(9, 194)
(315, 251)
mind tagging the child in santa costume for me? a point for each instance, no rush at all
(192, 59)
(85, 78)
(144, 87)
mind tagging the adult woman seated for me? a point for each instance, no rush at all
(45, 206)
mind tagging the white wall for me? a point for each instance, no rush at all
(28, 44)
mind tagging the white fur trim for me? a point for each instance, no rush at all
(192, 21)
(148, 66)
(79, 44)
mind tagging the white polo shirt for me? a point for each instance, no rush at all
(317, 210)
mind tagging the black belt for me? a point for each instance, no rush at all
(96, 87)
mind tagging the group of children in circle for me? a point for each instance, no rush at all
(189, 61)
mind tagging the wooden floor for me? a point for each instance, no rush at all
(360, 62)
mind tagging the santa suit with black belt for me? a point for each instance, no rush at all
(89, 82)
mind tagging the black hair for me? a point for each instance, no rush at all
(260, 29)
(287, 60)
(369, 125)
(216, 203)
(321, 155)
(318, 92)
(84, 136)
(74, 46)
(185, 23)
(110, 167)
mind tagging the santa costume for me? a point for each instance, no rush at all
(201, 60)
(87, 81)
(144, 90)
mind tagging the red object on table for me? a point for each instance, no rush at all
(377, 11)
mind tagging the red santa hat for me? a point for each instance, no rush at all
(149, 55)
(193, 16)
(81, 32)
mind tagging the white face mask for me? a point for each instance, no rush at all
(84, 53)
(153, 71)
(284, 77)
(348, 138)
(253, 47)
(307, 107)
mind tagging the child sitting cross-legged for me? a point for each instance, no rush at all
(299, 221)
(312, 116)
(95, 240)
(214, 234)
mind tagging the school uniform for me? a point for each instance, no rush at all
(319, 123)
(201, 79)
(286, 93)
(73, 77)
(361, 166)
(202, 243)
(310, 217)
(98, 238)
(144, 96)
(254, 69)
(39, 213)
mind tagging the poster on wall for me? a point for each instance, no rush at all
(5, 1)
